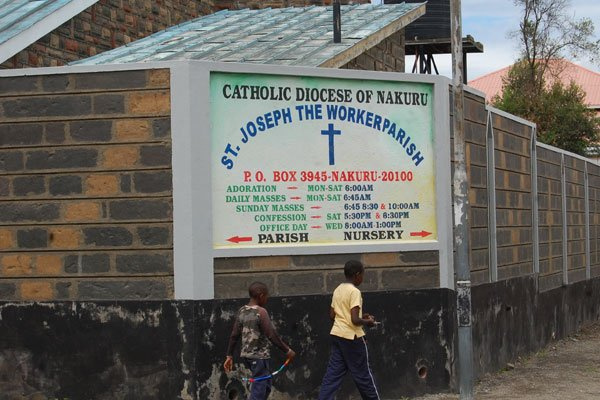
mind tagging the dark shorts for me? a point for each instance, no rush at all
(260, 367)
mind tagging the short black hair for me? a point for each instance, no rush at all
(256, 289)
(353, 267)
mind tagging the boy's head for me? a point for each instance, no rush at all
(259, 292)
(354, 270)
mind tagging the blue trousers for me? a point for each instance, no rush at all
(348, 355)
(260, 390)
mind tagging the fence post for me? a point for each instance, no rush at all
(534, 203)
(563, 184)
(491, 192)
(588, 264)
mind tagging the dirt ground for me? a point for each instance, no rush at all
(567, 370)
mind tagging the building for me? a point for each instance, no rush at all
(588, 80)
(47, 33)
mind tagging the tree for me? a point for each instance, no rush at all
(533, 89)
(546, 33)
(559, 111)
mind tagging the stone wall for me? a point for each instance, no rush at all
(387, 56)
(292, 275)
(106, 25)
(551, 224)
(85, 186)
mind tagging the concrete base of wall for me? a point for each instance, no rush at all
(174, 349)
(511, 318)
(169, 349)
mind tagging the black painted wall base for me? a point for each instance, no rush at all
(170, 350)
(174, 349)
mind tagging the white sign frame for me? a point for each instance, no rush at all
(190, 115)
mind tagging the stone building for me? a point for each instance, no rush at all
(48, 33)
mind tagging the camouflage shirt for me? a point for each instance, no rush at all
(253, 324)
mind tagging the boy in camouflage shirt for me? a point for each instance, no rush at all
(253, 324)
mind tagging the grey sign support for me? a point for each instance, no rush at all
(461, 230)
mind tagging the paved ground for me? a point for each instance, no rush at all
(566, 370)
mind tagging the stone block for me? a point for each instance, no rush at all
(120, 156)
(110, 236)
(161, 127)
(151, 209)
(370, 282)
(63, 290)
(61, 159)
(48, 265)
(143, 289)
(101, 185)
(55, 132)
(29, 185)
(63, 238)
(132, 130)
(50, 106)
(82, 211)
(32, 238)
(300, 283)
(231, 264)
(7, 240)
(7, 291)
(144, 263)
(111, 80)
(149, 103)
(270, 263)
(153, 182)
(63, 185)
(16, 265)
(229, 286)
(108, 104)
(55, 83)
(154, 235)
(28, 212)
(91, 131)
(21, 134)
(410, 278)
(155, 156)
(36, 290)
(11, 161)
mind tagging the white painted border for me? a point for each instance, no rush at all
(44, 26)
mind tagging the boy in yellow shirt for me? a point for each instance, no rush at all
(348, 346)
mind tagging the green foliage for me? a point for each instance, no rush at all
(559, 111)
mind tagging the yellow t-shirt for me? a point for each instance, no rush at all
(345, 297)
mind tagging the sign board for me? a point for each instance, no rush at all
(312, 161)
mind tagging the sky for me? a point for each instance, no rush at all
(490, 22)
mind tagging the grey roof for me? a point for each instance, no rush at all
(22, 22)
(288, 36)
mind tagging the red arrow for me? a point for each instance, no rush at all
(316, 207)
(295, 198)
(316, 227)
(292, 187)
(237, 239)
(316, 216)
(422, 233)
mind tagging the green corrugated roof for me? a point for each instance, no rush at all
(287, 36)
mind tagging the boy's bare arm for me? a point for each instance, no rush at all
(357, 320)
(331, 313)
(236, 331)
(269, 331)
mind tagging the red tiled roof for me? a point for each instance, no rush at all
(491, 84)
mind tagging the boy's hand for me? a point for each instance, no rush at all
(228, 364)
(370, 320)
(291, 354)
